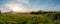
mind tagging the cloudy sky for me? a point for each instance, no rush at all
(29, 5)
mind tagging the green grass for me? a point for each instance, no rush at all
(27, 19)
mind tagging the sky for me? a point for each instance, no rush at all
(29, 5)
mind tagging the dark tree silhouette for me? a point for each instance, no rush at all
(0, 11)
(37, 12)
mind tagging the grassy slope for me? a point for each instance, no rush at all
(26, 19)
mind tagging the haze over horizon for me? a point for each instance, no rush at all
(29, 5)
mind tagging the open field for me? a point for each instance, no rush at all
(29, 19)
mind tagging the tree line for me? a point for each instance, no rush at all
(42, 12)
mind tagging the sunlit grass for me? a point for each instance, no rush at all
(26, 19)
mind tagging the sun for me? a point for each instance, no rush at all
(16, 8)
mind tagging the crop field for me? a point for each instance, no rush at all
(29, 19)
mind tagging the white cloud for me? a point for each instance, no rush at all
(22, 1)
(15, 8)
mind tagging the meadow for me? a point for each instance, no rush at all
(49, 18)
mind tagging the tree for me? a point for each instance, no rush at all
(37, 12)
(0, 11)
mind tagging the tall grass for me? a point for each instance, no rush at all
(28, 19)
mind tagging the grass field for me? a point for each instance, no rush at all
(28, 19)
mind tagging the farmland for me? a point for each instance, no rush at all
(29, 18)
